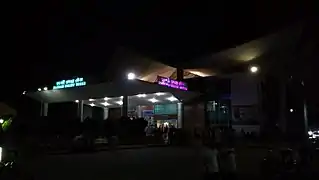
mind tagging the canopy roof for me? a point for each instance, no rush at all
(113, 89)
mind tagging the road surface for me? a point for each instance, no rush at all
(147, 163)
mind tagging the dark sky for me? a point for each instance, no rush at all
(55, 40)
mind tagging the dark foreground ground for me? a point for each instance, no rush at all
(145, 163)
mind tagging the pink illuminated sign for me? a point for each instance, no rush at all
(172, 83)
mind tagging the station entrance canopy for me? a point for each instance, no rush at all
(109, 89)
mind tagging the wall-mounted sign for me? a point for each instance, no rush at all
(171, 83)
(69, 83)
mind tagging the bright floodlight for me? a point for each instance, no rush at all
(159, 94)
(172, 98)
(141, 95)
(310, 133)
(45, 88)
(1, 121)
(291, 110)
(254, 69)
(106, 98)
(92, 104)
(105, 104)
(24, 92)
(119, 102)
(77, 101)
(121, 97)
(91, 99)
(153, 100)
(131, 76)
(0, 154)
(39, 89)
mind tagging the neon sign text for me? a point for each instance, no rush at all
(69, 83)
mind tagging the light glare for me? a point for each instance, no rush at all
(45, 88)
(39, 89)
(105, 104)
(153, 100)
(1, 121)
(119, 102)
(77, 101)
(92, 104)
(254, 69)
(131, 76)
(159, 94)
(172, 98)
(91, 99)
(141, 95)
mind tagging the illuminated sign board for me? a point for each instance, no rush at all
(69, 83)
(163, 81)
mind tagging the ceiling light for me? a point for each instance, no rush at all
(131, 76)
(92, 104)
(24, 92)
(119, 102)
(106, 98)
(153, 100)
(172, 98)
(253, 69)
(39, 89)
(121, 97)
(77, 101)
(45, 88)
(105, 104)
(141, 95)
(91, 99)
(159, 94)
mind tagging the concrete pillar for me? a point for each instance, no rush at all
(45, 109)
(180, 74)
(139, 111)
(180, 113)
(125, 106)
(106, 113)
(80, 110)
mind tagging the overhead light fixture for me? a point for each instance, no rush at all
(24, 92)
(106, 98)
(159, 94)
(141, 95)
(131, 76)
(291, 110)
(254, 69)
(153, 100)
(45, 88)
(92, 104)
(172, 98)
(119, 102)
(105, 104)
(0, 154)
(91, 99)
(39, 89)
(77, 101)
(121, 97)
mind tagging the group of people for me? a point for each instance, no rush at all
(165, 131)
(219, 158)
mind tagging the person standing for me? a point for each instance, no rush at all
(211, 162)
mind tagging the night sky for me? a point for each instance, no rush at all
(53, 40)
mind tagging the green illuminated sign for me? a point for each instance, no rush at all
(69, 83)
